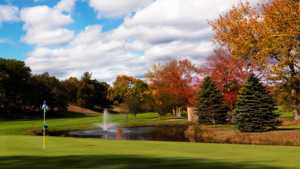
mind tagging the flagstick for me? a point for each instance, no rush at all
(44, 130)
(44, 107)
(44, 139)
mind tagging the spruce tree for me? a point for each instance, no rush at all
(255, 108)
(211, 106)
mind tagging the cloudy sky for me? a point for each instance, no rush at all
(106, 37)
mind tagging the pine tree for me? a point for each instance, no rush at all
(255, 108)
(211, 106)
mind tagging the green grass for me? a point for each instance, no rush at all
(23, 126)
(20, 151)
(25, 152)
(285, 114)
(80, 123)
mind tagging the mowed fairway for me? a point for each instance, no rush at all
(25, 152)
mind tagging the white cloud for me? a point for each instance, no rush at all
(158, 32)
(117, 8)
(92, 50)
(46, 26)
(8, 13)
(195, 51)
(65, 5)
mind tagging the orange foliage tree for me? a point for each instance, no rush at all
(267, 34)
(173, 85)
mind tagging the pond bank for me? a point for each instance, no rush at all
(188, 133)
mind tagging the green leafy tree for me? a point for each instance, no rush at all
(120, 88)
(71, 85)
(211, 106)
(92, 93)
(14, 88)
(255, 108)
(85, 91)
(21, 94)
(132, 92)
(139, 97)
(49, 88)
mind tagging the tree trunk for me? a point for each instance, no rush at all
(174, 112)
(294, 92)
(178, 112)
(294, 104)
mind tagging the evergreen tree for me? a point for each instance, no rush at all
(255, 108)
(211, 106)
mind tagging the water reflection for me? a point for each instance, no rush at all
(163, 133)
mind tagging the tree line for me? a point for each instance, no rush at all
(167, 88)
(21, 93)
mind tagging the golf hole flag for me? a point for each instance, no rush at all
(45, 126)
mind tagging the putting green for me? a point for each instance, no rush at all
(26, 152)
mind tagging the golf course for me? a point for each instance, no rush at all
(149, 84)
(20, 150)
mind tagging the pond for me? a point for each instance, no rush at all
(162, 133)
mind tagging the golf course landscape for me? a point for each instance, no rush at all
(149, 84)
(20, 150)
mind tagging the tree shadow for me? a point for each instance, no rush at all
(52, 115)
(119, 162)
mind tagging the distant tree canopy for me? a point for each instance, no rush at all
(49, 88)
(15, 88)
(21, 94)
(91, 93)
(71, 85)
(132, 92)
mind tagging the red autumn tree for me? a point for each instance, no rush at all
(173, 85)
(227, 72)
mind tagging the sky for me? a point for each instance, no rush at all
(107, 37)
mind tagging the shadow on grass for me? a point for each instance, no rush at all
(119, 162)
(56, 115)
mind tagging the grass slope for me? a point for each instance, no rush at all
(25, 152)
(79, 123)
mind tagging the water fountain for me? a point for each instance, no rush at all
(106, 126)
(105, 120)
